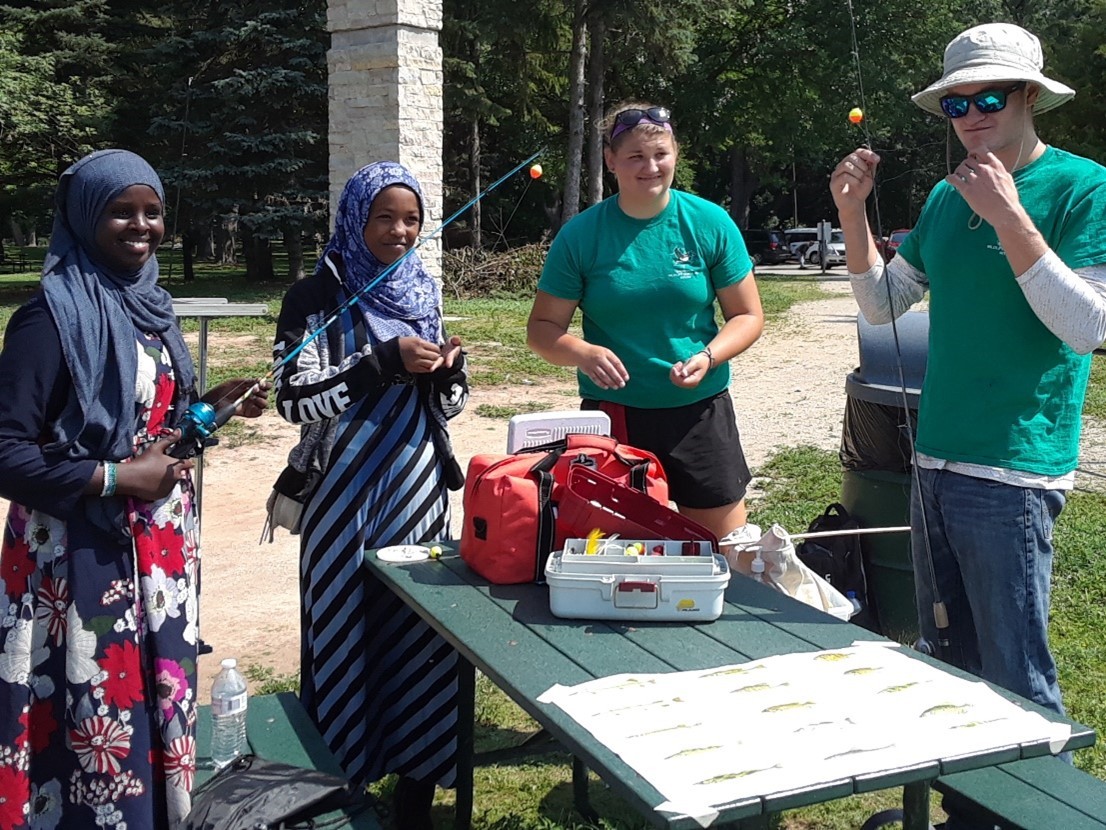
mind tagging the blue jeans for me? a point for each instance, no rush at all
(991, 549)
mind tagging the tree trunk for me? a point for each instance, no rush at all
(188, 254)
(474, 166)
(575, 149)
(259, 256)
(597, 66)
(743, 183)
(293, 246)
(21, 237)
(226, 241)
(205, 243)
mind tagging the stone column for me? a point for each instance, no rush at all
(385, 69)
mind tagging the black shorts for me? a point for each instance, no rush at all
(697, 445)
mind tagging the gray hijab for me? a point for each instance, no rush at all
(97, 309)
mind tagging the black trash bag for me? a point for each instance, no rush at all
(874, 437)
(253, 794)
(837, 559)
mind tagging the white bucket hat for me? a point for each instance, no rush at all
(994, 52)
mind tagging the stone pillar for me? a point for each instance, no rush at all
(385, 68)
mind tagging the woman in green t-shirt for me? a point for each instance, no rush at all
(646, 267)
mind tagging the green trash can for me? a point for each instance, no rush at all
(877, 498)
(876, 459)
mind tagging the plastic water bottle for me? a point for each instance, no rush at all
(228, 714)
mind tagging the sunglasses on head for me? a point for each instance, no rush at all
(986, 102)
(628, 119)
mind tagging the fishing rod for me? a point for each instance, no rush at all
(940, 612)
(202, 419)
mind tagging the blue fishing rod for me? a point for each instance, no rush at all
(202, 419)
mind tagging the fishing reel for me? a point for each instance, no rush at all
(196, 427)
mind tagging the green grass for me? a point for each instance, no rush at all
(264, 681)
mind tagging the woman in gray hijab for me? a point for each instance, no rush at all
(99, 556)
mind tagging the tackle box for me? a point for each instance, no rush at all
(671, 580)
(593, 501)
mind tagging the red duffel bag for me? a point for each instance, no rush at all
(510, 501)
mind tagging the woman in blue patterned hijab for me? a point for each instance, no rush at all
(407, 301)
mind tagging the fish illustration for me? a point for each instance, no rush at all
(678, 726)
(787, 707)
(820, 724)
(628, 683)
(902, 687)
(863, 670)
(730, 776)
(757, 687)
(662, 702)
(732, 670)
(699, 750)
(972, 723)
(858, 751)
(832, 656)
(946, 709)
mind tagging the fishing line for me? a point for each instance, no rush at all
(503, 230)
(940, 613)
(202, 419)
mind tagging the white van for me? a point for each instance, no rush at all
(835, 251)
(799, 239)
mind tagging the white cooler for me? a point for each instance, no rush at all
(612, 586)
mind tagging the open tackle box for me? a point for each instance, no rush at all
(652, 563)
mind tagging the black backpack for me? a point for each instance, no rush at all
(838, 560)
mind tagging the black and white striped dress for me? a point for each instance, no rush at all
(378, 682)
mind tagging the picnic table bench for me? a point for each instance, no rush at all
(278, 729)
(1035, 794)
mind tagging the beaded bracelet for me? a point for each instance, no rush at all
(710, 355)
(110, 478)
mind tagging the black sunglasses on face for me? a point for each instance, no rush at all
(986, 102)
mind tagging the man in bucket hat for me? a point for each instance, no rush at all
(1012, 248)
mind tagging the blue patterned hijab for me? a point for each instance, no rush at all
(96, 310)
(407, 301)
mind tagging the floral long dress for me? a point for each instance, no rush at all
(98, 654)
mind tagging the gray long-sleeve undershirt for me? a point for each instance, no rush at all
(1070, 303)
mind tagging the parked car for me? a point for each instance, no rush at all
(799, 239)
(766, 246)
(835, 251)
(891, 246)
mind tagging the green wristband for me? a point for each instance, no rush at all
(110, 479)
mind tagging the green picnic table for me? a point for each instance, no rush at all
(509, 633)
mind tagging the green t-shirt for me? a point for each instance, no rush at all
(646, 289)
(1000, 389)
